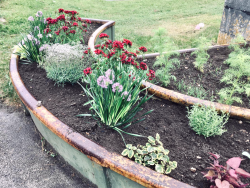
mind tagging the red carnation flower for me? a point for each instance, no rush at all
(47, 30)
(118, 44)
(97, 51)
(108, 42)
(48, 19)
(111, 53)
(84, 25)
(65, 28)
(72, 31)
(79, 19)
(127, 42)
(97, 46)
(86, 52)
(88, 21)
(60, 10)
(151, 74)
(61, 17)
(75, 24)
(103, 35)
(143, 49)
(73, 12)
(66, 11)
(143, 66)
(137, 51)
(57, 32)
(87, 71)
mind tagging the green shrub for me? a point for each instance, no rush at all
(64, 63)
(152, 154)
(206, 121)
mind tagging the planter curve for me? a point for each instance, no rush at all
(103, 168)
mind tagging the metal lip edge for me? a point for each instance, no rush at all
(96, 153)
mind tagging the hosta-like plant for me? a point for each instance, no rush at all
(152, 154)
(226, 176)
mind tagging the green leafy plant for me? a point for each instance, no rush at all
(114, 98)
(206, 121)
(166, 60)
(201, 54)
(152, 155)
(63, 63)
(233, 77)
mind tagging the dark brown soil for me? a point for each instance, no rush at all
(90, 30)
(168, 119)
(208, 81)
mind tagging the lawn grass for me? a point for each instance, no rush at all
(135, 20)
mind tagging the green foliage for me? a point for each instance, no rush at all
(201, 54)
(114, 98)
(192, 90)
(206, 121)
(63, 63)
(152, 155)
(8, 89)
(233, 77)
(167, 60)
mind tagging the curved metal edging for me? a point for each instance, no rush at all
(96, 153)
(185, 99)
(188, 100)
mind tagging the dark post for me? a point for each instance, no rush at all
(235, 20)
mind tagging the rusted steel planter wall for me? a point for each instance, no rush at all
(235, 20)
(103, 168)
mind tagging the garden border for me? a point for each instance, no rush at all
(103, 168)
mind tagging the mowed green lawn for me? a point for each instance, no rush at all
(135, 20)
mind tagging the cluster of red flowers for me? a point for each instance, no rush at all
(103, 35)
(70, 21)
(143, 66)
(126, 57)
(118, 44)
(87, 71)
(127, 42)
(143, 49)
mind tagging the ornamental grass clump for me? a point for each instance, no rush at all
(64, 63)
(206, 121)
(114, 98)
(151, 155)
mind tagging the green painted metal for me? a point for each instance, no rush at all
(101, 176)
(110, 31)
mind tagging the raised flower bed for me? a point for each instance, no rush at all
(108, 169)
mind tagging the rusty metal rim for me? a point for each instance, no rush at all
(98, 154)
(187, 100)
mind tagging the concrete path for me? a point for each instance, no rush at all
(23, 163)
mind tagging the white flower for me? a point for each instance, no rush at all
(40, 36)
(31, 18)
(49, 35)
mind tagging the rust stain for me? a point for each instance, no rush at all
(96, 153)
